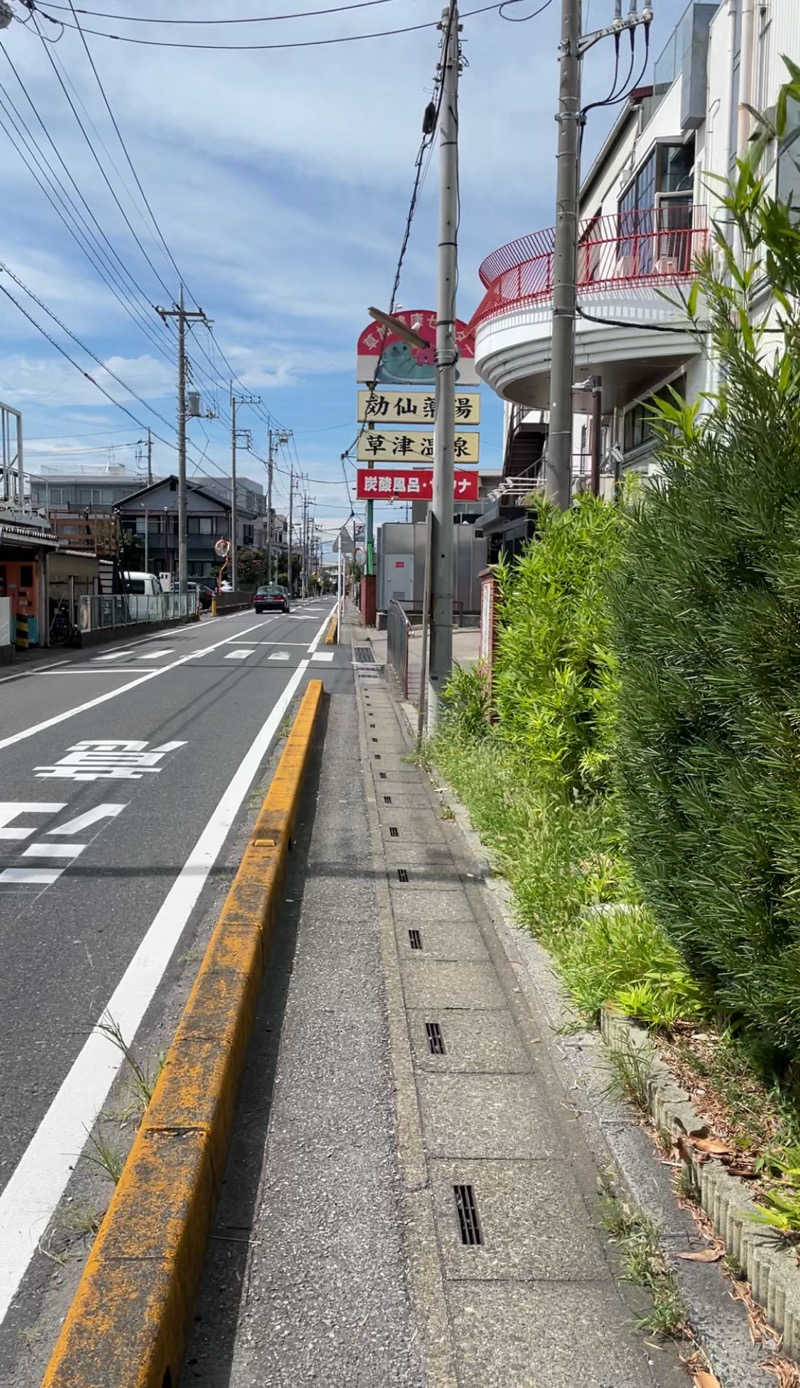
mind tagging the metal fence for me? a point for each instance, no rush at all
(98, 612)
(398, 633)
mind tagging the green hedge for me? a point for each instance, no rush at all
(707, 632)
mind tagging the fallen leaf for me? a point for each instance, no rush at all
(712, 1146)
(704, 1380)
(705, 1255)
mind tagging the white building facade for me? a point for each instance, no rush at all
(647, 204)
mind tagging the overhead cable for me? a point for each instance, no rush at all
(236, 19)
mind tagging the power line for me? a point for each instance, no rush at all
(47, 48)
(250, 19)
(261, 47)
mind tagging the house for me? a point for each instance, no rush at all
(646, 206)
(151, 516)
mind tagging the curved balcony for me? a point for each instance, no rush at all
(629, 266)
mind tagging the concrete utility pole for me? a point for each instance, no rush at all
(289, 555)
(441, 647)
(558, 471)
(183, 315)
(149, 458)
(269, 504)
(235, 433)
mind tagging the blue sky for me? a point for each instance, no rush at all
(281, 182)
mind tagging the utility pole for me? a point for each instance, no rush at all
(558, 472)
(183, 315)
(235, 433)
(269, 504)
(149, 458)
(289, 556)
(441, 648)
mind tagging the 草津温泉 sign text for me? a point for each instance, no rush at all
(414, 484)
(394, 446)
(399, 407)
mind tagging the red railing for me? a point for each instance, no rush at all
(642, 246)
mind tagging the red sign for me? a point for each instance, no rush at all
(412, 484)
(403, 364)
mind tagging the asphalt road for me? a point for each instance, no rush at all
(122, 773)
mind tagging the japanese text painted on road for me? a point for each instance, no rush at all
(108, 760)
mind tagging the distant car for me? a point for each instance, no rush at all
(225, 587)
(271, 598)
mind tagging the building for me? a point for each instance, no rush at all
(646, 206)
(251, 510)
(26, 543)
(150, 516)
(89, 489)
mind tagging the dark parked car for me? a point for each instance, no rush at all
(270, 598)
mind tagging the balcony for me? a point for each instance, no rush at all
(629, 266)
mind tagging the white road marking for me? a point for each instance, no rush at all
(323, 655)
(38, 669)
(156, 655)
(29, 876)
(279, 655)
(36, 1185)
(83, 821)
(54, 850)
(275, 643)
(10, 809)
(115, 655)
(114, 693)
(238, 655)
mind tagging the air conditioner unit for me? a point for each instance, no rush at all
(667, 265)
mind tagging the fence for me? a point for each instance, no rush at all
(637, 247)
(99, 612)
(398, 634)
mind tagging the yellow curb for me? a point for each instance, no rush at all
(127, 1325)
(330, 634)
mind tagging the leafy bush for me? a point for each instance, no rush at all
(466, 702)
(554, 679)
(707, 633)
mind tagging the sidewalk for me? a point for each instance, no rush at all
(510, 1274)
(466, 651)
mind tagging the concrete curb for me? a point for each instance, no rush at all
(769, 1265)
(127, 1324)
(330, 634)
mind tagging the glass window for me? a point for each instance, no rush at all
(193, 525)
(206, 525)
(638, 419)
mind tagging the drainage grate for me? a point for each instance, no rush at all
(435, 1038)
(381, 775)
(393, 832)
(415, 939)
(364, 654)
(387, 799)
(374, 738)
(467, 1211)
(377, 756)
(402, 873)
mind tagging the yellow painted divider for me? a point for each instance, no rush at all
(128, 1322)
(330, 634)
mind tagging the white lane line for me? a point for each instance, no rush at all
(272, 643)
(38, 669)
(27, 875)
(115, 655)
(238, 655)
(36, 1185)
(114, 693)
(54, 850)
(318, 636)
(156, 655)
(93, 670)
(279, 655)
(323, 655)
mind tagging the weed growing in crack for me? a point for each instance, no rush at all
(142, 1078)
(631, 1068)
(643, 1262)
(104, 1155)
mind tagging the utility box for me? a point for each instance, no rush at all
(401, 567)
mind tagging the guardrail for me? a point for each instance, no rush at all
(98, 612)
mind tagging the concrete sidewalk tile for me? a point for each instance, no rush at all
(457, 940)
(432, 904)
(472, 987)
(396, 853)
(422, 828)
(490, 1042)
(492, 1116)
(411, 799)
(545, 1335)
(427, 877)
(532, 1219)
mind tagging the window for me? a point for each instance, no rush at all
(655, 210)
(638, 419)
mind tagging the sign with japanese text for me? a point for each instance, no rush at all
(419, 407)
(402, 364)
(413, 484)
(393, 446)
